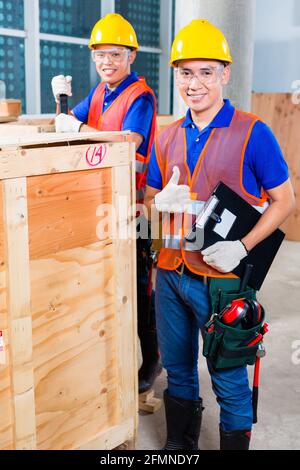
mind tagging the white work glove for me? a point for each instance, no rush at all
(174, 197)
(224, 256)
(67, 123)
(61, 86)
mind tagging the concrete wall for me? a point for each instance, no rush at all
(236, 19)
(277, 45)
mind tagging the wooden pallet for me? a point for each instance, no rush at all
(148, 402)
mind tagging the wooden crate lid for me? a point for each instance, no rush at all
(52, 138)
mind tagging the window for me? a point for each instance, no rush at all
(147, 65)
(145, 18)
(12, 14)
(12, 59)
(65, 59)
(12, 67)
(65, 27)
(43, 38)
(73, 18)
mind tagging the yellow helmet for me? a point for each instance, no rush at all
(200, 40)
(113, 29)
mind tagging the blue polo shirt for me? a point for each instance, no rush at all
(264, 164)
(138, 117)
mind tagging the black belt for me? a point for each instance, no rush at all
(183, 269)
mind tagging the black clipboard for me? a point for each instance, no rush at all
(227, 216)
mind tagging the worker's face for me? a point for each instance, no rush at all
(200, 82)
(113, 62)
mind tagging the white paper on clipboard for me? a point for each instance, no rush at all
(227, 220)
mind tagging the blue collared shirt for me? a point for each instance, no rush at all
(138, 117)
(264, 164)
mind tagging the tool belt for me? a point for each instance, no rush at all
(228, 346)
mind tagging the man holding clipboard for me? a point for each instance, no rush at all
(214, 142)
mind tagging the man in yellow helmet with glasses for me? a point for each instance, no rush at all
(214, 142)
(122, 101)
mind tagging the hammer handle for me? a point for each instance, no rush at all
(64, 104)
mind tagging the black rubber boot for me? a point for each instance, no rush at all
(151, 366)
(235, 440)
(183, 419)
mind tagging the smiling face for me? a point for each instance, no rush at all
(200, 83)
(113, 64)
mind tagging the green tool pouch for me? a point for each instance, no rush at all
(226, 346)
(224, 291)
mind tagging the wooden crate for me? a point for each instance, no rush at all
(163, 120)
(38, 125)
(68, 295)
(10, 109)
(283, 116)
(27, 126)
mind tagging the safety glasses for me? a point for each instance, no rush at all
(206, 75)
(112, 55)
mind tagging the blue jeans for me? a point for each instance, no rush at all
(182, 308)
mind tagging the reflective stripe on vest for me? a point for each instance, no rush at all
(140, 167)
(215, 163)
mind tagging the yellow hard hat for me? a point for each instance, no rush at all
(113, 29)
(200, 40)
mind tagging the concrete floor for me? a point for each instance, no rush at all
(278, 424)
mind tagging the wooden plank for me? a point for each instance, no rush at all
(62, 209)
(7, 119)
(39, 161)
(283, 116)
(146, 396)
(19, 315)
(126, 291)
(6, 424)
(6, 406)
(150, 406)
(148, 402)
(113, 437)
(164, 120)
(20, 128)
(74, 345)
(48, 138)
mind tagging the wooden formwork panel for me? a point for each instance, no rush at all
(283, 116)
(164, 120)
(67, 303)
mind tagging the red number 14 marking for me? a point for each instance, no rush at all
(95, 155)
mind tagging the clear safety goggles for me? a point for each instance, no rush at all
(113, 55)
(206, 75)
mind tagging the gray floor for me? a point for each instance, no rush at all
(278, 424)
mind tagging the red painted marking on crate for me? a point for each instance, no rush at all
(95, 155)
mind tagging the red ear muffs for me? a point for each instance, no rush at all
(253, 316)
(235, 312)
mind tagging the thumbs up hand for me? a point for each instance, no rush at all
(174, 197)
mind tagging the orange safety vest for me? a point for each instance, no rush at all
(112, 120)
(220, 160)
